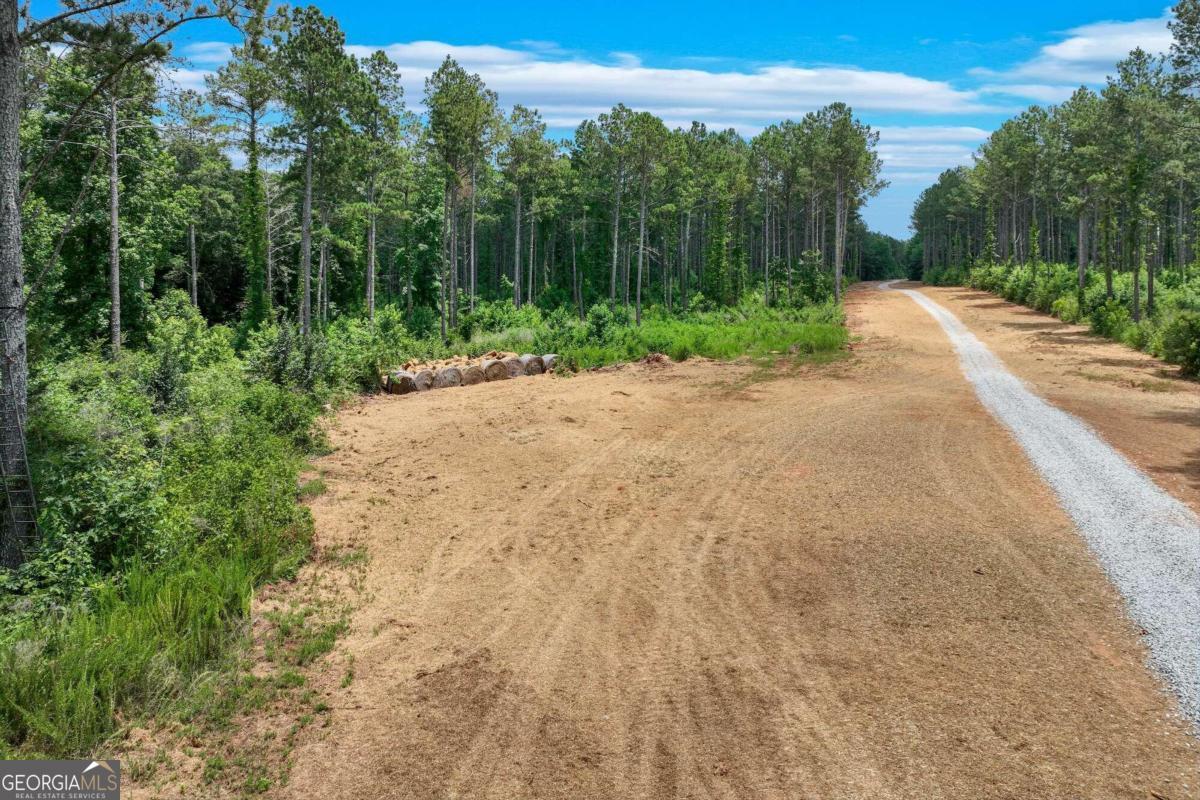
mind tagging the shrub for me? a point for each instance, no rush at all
(1181, 342)
(360, 349)
(1066, 308)
(1111, 319)
(167, 493)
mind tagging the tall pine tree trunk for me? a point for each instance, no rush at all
(532, 236)
(269, 300)
(517, 252)
(306, 241)
(12, 279)
(1081, 255)
(255, 222)
(575, 276)
(371, 225)
(474, 259)
(616, 225)
(193, 264)
(114, 233)
(641, 250)
(839, 238)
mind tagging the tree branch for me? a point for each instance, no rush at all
(137, 52)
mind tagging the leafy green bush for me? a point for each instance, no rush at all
(1163, 331)
(1066, 308)
(361, 349)
(167, 486)
(495, 316)
(1181, 342)
(1110, 319)
(944, 276)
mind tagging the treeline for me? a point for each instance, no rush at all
(366, 203)
(1087, 209)
(1106, 181)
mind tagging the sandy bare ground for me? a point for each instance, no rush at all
(685, 582)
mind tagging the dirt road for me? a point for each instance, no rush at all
(845, 581)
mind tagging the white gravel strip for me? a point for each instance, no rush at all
(1147, 541)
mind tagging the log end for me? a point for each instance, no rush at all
(447, 377)
(472, 374)
(532, 364)
(514, 366)
(494, 370)
(424, 380)
(401, 383)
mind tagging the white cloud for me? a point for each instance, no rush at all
(568, 90)
(187, 78)
(908, 177)
(626, 60)
(1041, 92)
(924, 156)
(210, 54)
(1087, 54)
(425, 56)
(931, 133)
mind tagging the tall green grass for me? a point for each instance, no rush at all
(68, 682)
(608, 335)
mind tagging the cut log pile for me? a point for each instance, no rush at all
(419, 376)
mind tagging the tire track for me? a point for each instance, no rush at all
(1147, 541)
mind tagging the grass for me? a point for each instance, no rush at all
(68, 681)
(314, 488)
(608, 336)
(300, 638)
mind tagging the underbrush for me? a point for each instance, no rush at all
(608, 335)
(167, 488)
(1170, 330)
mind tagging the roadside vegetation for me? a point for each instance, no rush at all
(1087, 209)
(185, 322)
(1171, 331)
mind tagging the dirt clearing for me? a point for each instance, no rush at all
(679, 582)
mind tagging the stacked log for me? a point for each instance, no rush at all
(514, 366)
(472, 374)
(424, 380)
(401, 382)
(494, 370)
(447, 377)
(532, 365)
(420, 376)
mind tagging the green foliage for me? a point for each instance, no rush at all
(361, 349)
(1168, 332)
(168, 485)
(1110, 319)
(1181, 342)
(944, 276)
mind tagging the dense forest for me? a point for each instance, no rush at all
(349, 201)
(191, 279)
(1087, 208)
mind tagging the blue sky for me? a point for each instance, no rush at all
(935, 78)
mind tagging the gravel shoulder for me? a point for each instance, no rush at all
(1138, 404)
(844, 581)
